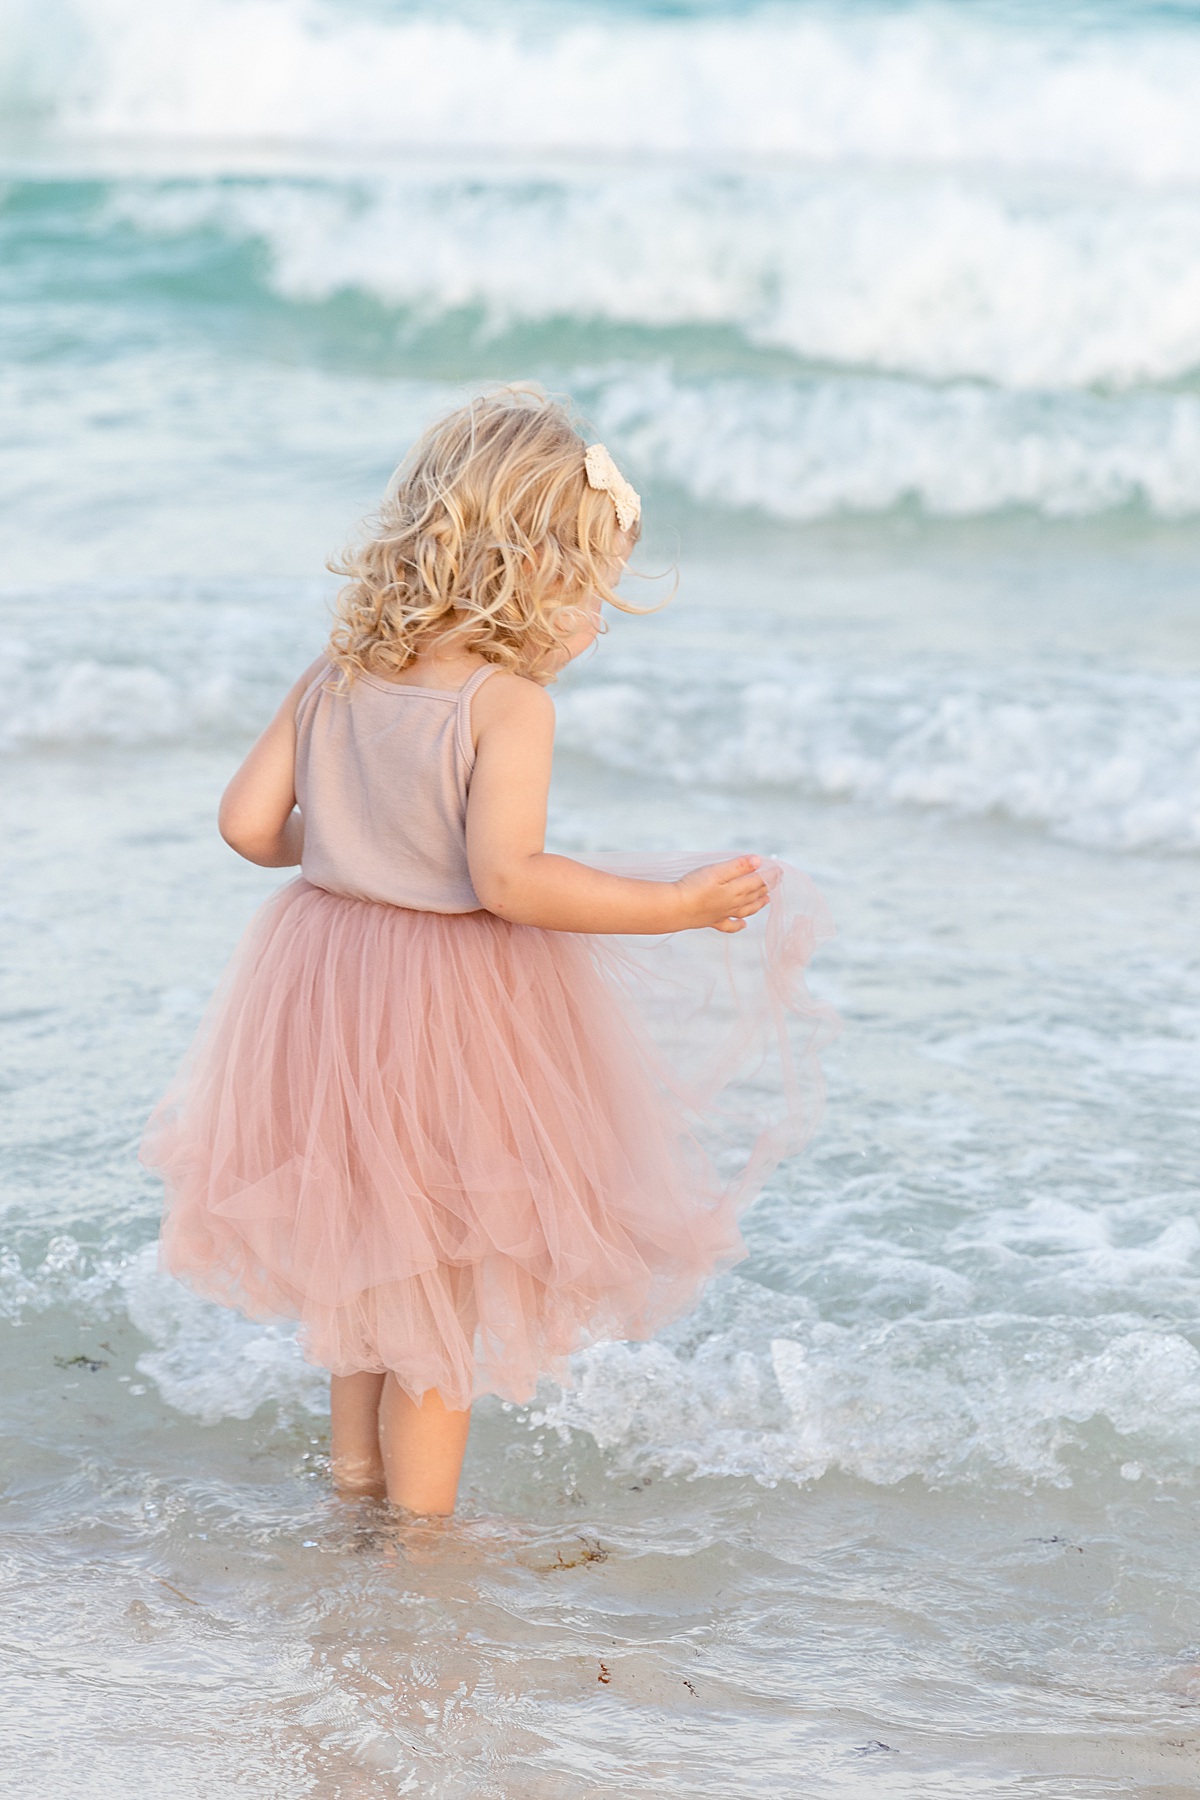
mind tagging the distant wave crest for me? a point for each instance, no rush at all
(937, 277)
(917, 85)
(810, 449)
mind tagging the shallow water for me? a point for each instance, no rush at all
(907, 1506)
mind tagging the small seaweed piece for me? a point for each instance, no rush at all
(604, 1677)
(592, 1550)
(163, 1582)
(91, 1363)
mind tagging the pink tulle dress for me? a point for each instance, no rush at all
(457, 1148)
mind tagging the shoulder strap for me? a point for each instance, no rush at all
(466, 746)
(314, 687)
(477, 680)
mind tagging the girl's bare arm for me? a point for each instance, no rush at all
(258, 816)
(506, 830)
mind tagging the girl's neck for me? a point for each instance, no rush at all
(447, 668)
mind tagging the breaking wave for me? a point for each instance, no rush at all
(923, 85)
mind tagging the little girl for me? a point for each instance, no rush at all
(423, 1116)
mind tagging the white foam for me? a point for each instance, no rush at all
(256, 469)
(208, 1361)
(66, 1276)
(1101, 759)
(756, 1385)
(1004, 1400)
(938, 276)
(948, 1399)
(819, 447)
(928, 84)
(808, 449)
(1094, 757)
(89, 702)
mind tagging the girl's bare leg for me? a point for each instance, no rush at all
(423, 1448)
(356, 1456)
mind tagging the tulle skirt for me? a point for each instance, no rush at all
(460, 1149)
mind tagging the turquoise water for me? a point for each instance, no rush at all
(893, 313)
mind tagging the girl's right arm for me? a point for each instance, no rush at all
(506, 830)
(258, 816)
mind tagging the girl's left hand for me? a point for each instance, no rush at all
(724, 895)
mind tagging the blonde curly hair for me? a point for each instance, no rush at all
(490, 536)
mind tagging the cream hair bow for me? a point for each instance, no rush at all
(603, 473)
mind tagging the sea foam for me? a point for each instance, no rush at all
(208, 1361)
(1093, 757)
(293, 460)
(1029, 285)
(754, 1385)
(924, 85)
(1103, 759)
(951, 1401)
(814, 447)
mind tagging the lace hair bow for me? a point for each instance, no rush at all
(603, 473)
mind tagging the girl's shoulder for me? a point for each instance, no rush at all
(306, 685)
(505, 694)
(506, 702)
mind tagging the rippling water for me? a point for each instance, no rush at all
(893, 312)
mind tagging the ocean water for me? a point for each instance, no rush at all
(893, 313)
